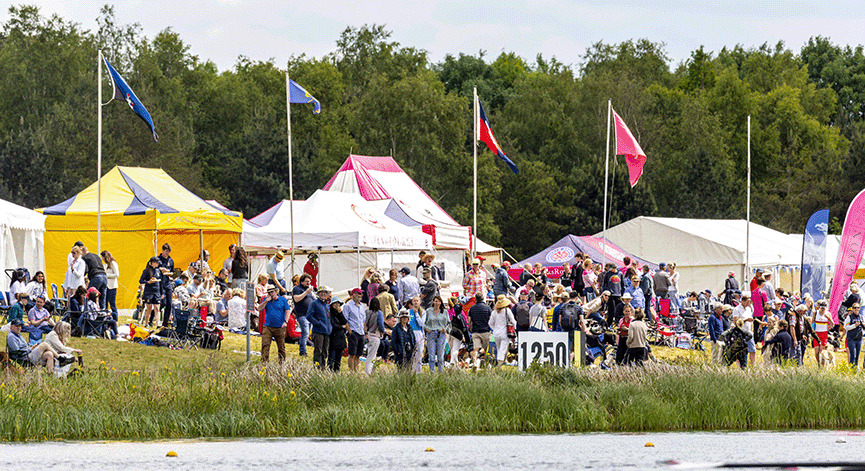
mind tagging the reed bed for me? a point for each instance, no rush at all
(210, 397)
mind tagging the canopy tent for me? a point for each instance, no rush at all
(380, 179)
(22, 237)
(347, 231)
(141, 210)
(705, 250)
(565, 249)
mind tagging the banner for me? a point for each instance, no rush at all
(813, 280)
(849, 252)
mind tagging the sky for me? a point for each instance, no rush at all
(222, 30)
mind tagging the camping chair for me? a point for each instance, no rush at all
(72, 317)
(97, 325)
(5, 306)
(187, 327)
(61, 304)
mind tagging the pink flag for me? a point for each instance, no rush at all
(849, 253)
(629, 147)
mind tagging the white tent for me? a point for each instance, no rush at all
(22, 239)
(382, 181)
(705, 250)
(348, 232)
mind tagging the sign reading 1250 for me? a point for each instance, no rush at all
(544, 347)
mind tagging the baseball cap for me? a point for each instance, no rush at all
(404, 270)
(16, 322)
(662, 264)
(357, 291)
(506, 264)
(92, 290)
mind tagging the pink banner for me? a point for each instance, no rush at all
(849, 252)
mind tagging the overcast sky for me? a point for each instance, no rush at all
(222, 30)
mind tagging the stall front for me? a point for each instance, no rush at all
(141, 209)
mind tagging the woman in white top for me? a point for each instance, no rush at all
(59, 338)
(501, 318)
(18, 284)
(111, 272)
(36, 287)
(673, 291)
(75, 272)
(237, 310)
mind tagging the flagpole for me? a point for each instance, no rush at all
(99, 156)
(748, 212)
(606, 179)
(290, 174)
(475, 148)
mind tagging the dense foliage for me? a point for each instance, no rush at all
(223, 134)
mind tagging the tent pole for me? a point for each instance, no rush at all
(201, 250)
(391, 259)
(606, 179)
(99, 157)
(475, 136)
(747, 273)
(317, 275)
(358, 260)
(290, 173)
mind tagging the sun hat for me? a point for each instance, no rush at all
(279, 255)
(269, 288)
(502, 302)
(854, 287)
(627, 295)
(476, 262)
(325, 288)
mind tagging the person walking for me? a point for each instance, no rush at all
(500, 320)
(853, 326)
(375, 329)
(435, 325)
(479, 325)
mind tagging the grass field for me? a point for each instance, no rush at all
(129, 391)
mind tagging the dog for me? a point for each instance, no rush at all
(827, 358)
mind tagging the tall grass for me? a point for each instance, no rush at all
(212, 399)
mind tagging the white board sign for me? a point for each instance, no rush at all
(543, 347)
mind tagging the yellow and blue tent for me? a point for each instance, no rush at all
(142, 209)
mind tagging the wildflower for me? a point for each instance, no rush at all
(101, 362)
(223, 374)
(9, 396)
(265, 393)
(135, 373)
(293, 394)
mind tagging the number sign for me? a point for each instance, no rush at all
(544, 347)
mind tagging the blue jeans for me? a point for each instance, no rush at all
(854, 347)
(111, 300)
(304, 334)
(100, 282)
(435, 347)
(37, 331)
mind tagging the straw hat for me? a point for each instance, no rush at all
(502, 302)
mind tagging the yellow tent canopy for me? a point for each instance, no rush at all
(141, 209)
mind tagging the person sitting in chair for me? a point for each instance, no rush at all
(17, 310)
(21, 353)
(92, 313)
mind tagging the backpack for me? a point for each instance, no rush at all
(521, 314)
(569, 316)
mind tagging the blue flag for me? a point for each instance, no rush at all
(124, 93)
(813, 279)
(298, 94)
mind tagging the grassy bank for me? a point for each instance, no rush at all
(213, 398)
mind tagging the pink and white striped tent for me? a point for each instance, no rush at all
(381, 180)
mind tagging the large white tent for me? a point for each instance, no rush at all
(382, 181)
(348, 232)
(22, 239)
(705, 250)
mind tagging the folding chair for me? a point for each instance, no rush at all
(95, 326)
(61, 304)
(5, 306)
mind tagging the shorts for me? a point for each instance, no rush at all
(151, 298)
(752, 347)
(823, 336)
(481, 340)
(355, 344)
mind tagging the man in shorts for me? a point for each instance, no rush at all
(355, 314)
(479, 324)
(822, 324)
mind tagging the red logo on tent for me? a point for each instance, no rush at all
(560, 255)
(367, 217)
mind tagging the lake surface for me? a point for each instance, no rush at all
(577, 451)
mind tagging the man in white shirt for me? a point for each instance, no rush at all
(232, 250)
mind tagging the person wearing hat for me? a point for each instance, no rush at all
(150, 283)
(474, 282)
(620, 308)
(276, 272)
(318, 316)
(21, 353)
(303, 295)
(853, 297)
(408, 286)
(403, 342)
(276, 316)
(853, 327)
(311, 268)
(731, 287)
(502, 318)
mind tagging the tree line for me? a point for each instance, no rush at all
(223, 134)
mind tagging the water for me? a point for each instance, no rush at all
(583, 451)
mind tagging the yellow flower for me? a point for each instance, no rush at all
(265, 393)
(135, 373)
(9, 396)
(293, 394)
(101, 362)
(223, 374)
